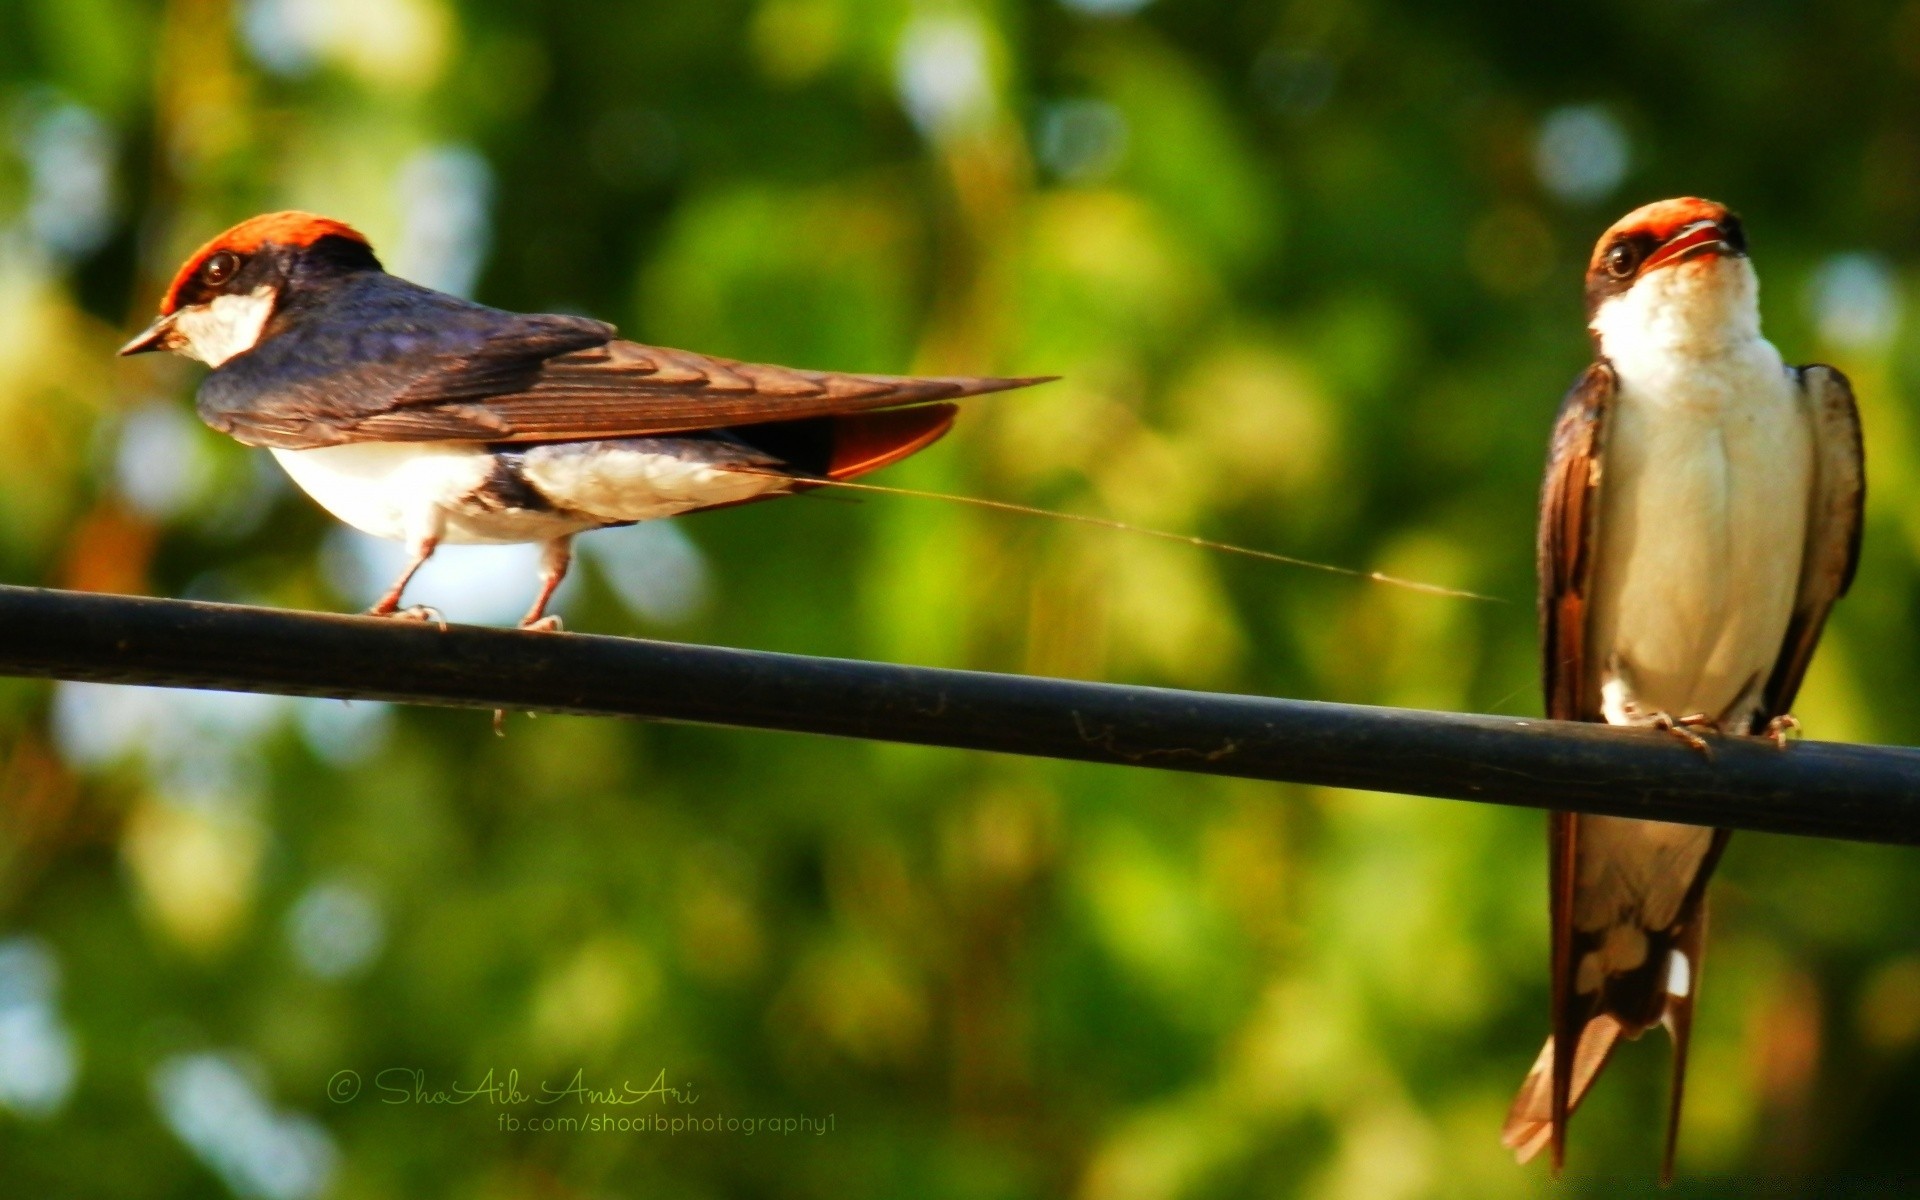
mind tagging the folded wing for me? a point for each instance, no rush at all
(1833, 529)
(392, 362)
(625, 389)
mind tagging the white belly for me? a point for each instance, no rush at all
(411, 491)
(396, 490)
(1704, 497)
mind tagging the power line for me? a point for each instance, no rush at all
(1864, 793)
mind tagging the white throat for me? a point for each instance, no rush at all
(225, 326)
(1699, 311)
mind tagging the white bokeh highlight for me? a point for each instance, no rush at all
(655, 569)
(39, 1061)
(205, 747)
(69, 155)
(1856, 301)
(1106, 8)
(942, 73)
(285, 36)
(195, 743)
(344, 733)
(1581, 153)
(336, 930)
(214, 1105)
(446, 197)
(396, 43)
(1082, 140)
(163, 464)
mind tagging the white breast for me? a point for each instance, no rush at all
(1707, 474)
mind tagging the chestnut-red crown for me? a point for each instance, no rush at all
(295, 229)
(1659, 222)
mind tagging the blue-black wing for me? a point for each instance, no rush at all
(386, 360)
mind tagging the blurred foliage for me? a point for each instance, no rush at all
(1310, 269)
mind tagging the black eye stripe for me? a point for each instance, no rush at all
(1735, 232)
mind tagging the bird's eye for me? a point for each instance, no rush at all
(221, 267)
(1621, 259)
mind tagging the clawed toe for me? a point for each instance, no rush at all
(1683, 728)
(547, 624)
(1778, 728)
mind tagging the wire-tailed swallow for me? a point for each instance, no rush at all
(1700, 517)
(415, 415)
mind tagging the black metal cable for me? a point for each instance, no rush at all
(1865, 793)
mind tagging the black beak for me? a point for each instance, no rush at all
(157, 336)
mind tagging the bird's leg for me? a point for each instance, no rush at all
(555, 556)
(389, 604)
(554, 559)
(1683, 728)
(1778, 728)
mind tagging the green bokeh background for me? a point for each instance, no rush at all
(1310, 269)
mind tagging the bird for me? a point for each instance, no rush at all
(419, 416)
(1700, 516)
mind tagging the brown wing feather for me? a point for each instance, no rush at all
(1569, 509)
(1569, 512)
(624, 389)
(1833, 529)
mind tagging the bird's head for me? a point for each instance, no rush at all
(221, 300)
(1675, 270)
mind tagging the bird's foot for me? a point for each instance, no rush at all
(1778, 729)
(416, 612)
(547, 624)
(1683, 728)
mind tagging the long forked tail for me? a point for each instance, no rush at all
(1529, 1126)
(1640, 966)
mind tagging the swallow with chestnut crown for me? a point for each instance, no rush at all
(1700, 517)
(418, 416)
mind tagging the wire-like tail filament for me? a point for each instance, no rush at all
(1431, 589)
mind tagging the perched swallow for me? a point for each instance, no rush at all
(1700, 517)
(415, 415)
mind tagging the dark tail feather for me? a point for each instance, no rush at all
(1530, 1124)
(1579, 1040)
(1683, 988)
(1567, 1033)
(1586, 1026)
(1683, 984)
